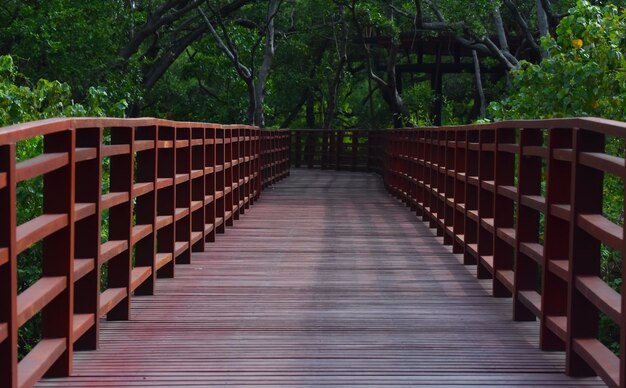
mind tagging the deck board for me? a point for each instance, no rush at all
(326, 280)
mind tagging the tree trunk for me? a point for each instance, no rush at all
(268, 57)
(333, 88)
(479, 85)
(252, 108)
(542, 21)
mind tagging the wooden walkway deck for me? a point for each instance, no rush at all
(337, 284)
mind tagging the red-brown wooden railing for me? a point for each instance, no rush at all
(481, 188)
(487, 189)
(521, 200)
(173, 186)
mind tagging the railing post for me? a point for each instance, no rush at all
(355, 149)
(8, 268)
(247, 170)
(460, 185)
(258, 163)
(87, 236)
(438, 183)
(420, 172)
(58, 249)
(504, 208)
(236, 172)
(145, 208)
(228, 176)
(556, 238)
(182, 182)
(429, 160)
(370, 150)
(409, 168)
(584, 253)
(527, 230)
(298, 148)
(220, 181)
(339, 149)
(332, 151)
(198, 189)
(166, 202)
(120, 221)
(471, 197)
(209, 183)
(486, 172)
(309, 153)
(288, 153)
(324, 153)
(448, 222)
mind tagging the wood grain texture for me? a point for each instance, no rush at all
(327, 280)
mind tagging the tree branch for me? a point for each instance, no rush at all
(520, 21)
(227, 49)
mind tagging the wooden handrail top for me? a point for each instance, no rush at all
(17, 132)
(605, 126)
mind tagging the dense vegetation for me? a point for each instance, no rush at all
(313, 63)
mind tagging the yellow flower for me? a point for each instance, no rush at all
(577, 43)
(594, 104)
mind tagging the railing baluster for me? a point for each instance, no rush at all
(504, 210)
(556, 241)
(459, 192)
(121, 221)
(528, 218)
(449, 180)
(485, 179)
(584, 255)
(87, 237)
(166, 201)
(8, 268)
(145, 209)
(298, 148)
(209, 183)
(220, 180)
(182, 216)
(198, 189)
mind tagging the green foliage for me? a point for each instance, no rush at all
(21, 102)
(68, 40)
(419, 99)
(585, 75)
(585, 81)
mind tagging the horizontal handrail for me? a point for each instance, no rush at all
(171, 187)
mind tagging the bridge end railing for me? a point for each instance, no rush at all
(350, 150)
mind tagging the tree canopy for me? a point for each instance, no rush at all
(314, 63)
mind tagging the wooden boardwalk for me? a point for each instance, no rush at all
(326, 280)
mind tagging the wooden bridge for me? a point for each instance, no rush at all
(326, 279)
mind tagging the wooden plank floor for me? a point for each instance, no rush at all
(326, 280)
